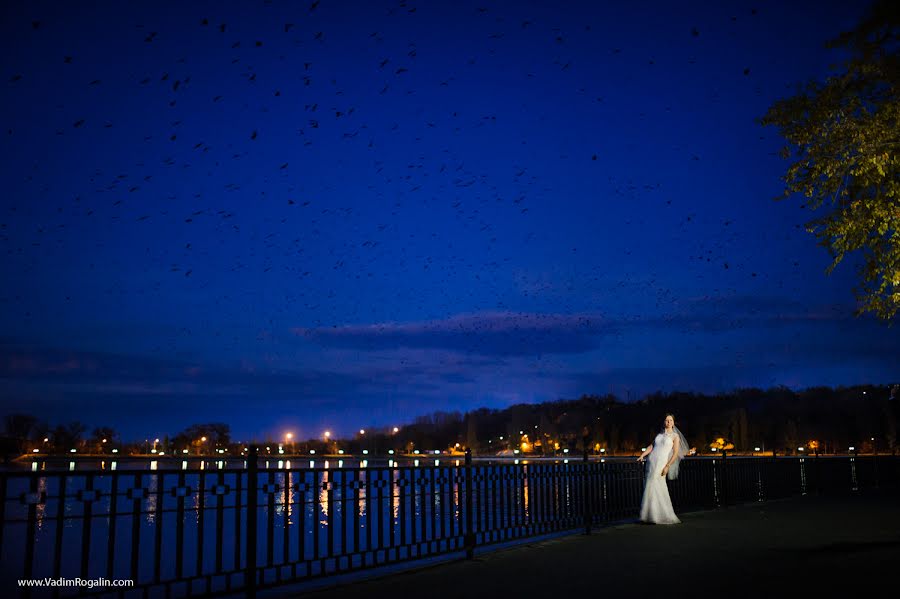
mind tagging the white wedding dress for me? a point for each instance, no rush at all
(656, 506)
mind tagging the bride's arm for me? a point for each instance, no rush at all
(676, 443)
(647, 451)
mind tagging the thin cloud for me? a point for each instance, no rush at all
(489, 333)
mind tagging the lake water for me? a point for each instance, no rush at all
(165, 521)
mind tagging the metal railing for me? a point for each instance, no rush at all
(210, 532)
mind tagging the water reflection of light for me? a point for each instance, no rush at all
(41, 507)
(195, 512)
(323, 497)
(151, 499)
(395, 495)
(361, 505)
(289, 485)
(453, 476)
(525, 483)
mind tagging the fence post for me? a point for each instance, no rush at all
(252, 484)
(586, 487)
(724, 494)
(469, 538)
(875, 467)
(818, 474)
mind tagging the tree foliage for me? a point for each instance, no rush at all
(843, 137)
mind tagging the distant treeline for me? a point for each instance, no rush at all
(821, 418)
(775, 419)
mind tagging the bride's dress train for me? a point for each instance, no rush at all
(656, 505)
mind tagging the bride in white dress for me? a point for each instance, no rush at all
(665, 455)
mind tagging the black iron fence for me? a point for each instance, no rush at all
(186, 533)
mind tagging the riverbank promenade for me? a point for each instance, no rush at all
(829, 546)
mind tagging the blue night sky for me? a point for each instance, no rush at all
(345, 214)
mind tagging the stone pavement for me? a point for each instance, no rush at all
(829, 546)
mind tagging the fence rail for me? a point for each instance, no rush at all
(210, 532)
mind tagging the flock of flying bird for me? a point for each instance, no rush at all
(292, 225)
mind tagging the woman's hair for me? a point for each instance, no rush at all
(669, 414)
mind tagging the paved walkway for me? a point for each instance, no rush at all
(836, 547)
